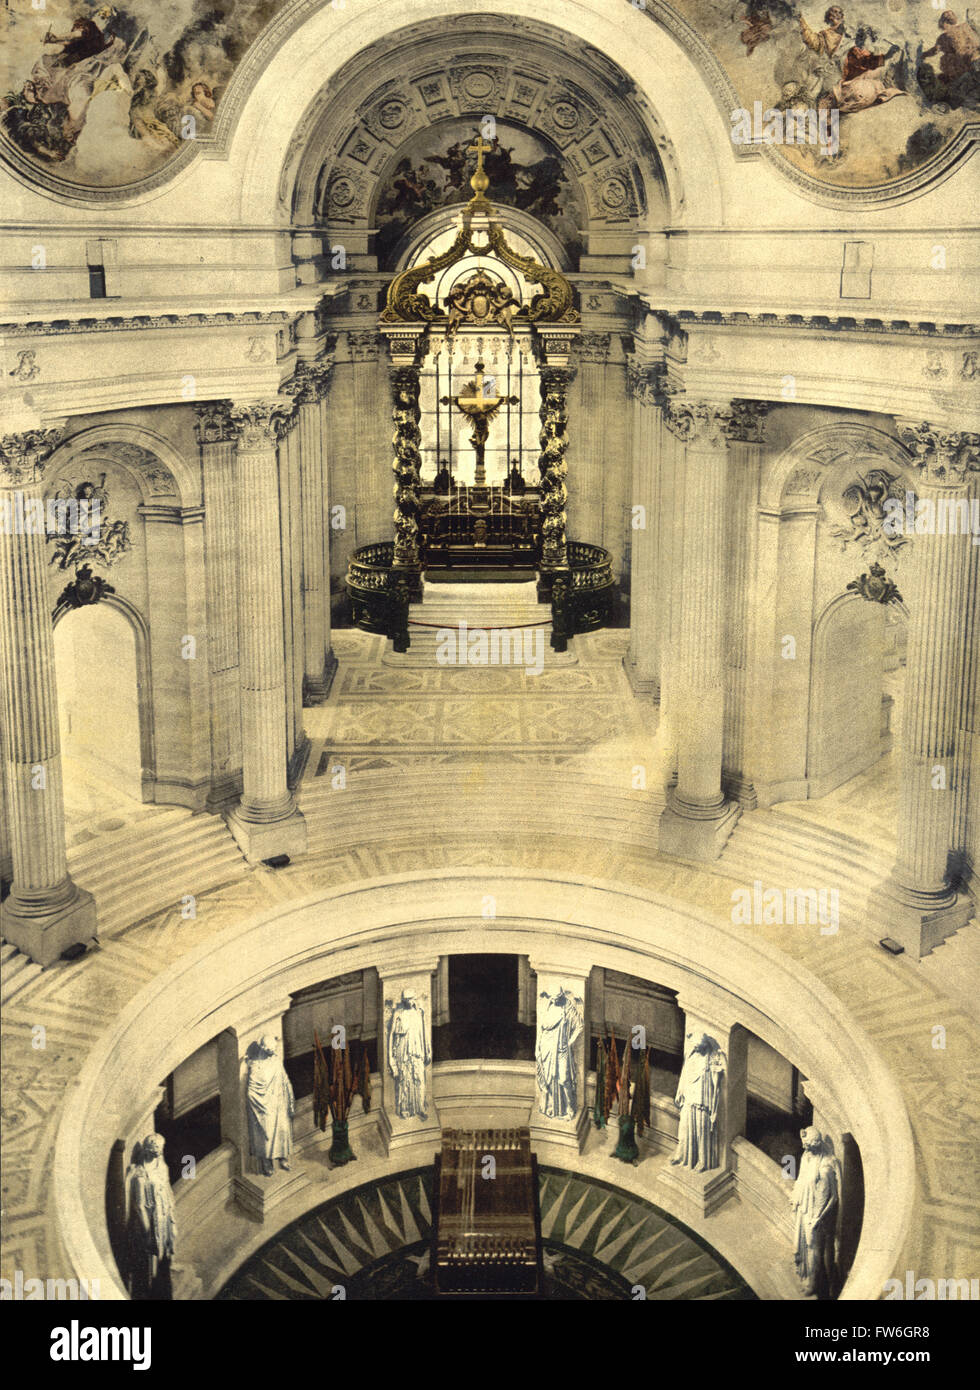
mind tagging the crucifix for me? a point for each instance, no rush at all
(479, 410)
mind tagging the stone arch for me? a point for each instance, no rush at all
(799, 471)
(581, 106)
(144, 680)
(157, 468)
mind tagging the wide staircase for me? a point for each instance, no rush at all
(148, 864)
(510, 608)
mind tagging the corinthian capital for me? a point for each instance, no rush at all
(645, 381)
(309, 382)
(261, 423)
(23, 456)
(748, 421)
(703, 424)
(214, 423)
(594, 347)
(945, 456)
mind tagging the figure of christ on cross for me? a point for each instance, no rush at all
(479, 410)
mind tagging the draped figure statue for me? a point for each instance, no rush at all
(816, 1199)
(152, 1226)
(270, 1104)
(698, 1099)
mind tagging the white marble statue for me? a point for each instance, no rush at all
(816, 1199)
(560, 1025)
(270, 1104)
(408, 1056)
(699, 1098)
(152, 1227)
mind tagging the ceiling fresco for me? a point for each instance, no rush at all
(102, 96)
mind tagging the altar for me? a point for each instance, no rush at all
(479, 376)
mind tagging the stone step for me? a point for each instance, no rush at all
(137, 846)
(16, 973)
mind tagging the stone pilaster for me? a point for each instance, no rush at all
(309, 389)
(297, 741)
(45, 912)
(642, 660)
(216, 435)
(698, 818)
(923, 906)
(745, 445)
(560, 1114)
(266, 821)
(408, 1111)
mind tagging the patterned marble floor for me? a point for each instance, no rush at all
(599, 1243)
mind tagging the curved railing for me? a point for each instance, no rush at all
(583, 598)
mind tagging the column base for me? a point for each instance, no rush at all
(43, 938)
(643, 687)
(687, 837)
(258, 1196)
(317, 688)
(397, 1133)
(695, 1195)
(260, 840)
(571, 1133)
(921, 928)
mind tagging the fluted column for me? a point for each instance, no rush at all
(45, 912)
(319, 663)
(216, 435)
(266, 822)
(642, 661)
(745, 449)
(925, 907)
(698, 819)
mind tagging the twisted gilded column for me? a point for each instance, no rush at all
(698, 819)
(216, 435)
(924, 906)
(266, 821)
(308, 388)
(45, 912)
(552, 466)
(642, 661)
(406, 464)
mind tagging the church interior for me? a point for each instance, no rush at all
(489, 651)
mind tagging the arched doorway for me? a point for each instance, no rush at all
(97, 676)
